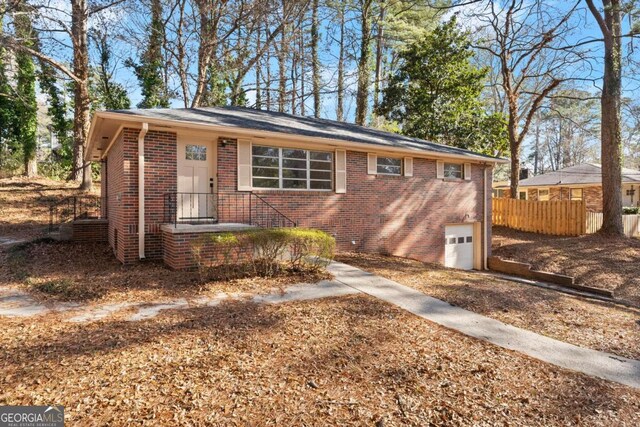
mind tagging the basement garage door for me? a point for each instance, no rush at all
(458, 248)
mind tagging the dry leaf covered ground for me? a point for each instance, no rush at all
(24, 204)
(346, 361)
(608, 263)
(587, 323)
(341, 361)
(90, 273)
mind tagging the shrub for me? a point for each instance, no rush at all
(266, 251)
(630, 210)
(310, 247)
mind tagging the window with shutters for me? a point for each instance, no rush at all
(453, 170)
(291, 168)
(389, 166)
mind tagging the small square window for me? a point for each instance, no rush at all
(453, 170)
(389, 166)
(451, 241)
(196, 152)
(576, 194)
(469, 239)
(460, 239)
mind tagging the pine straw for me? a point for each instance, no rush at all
(586, 323)
(594, 260)
(24, 204)
(344, 361)
(89, 272)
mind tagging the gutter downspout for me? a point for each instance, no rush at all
(141, 234)
(484, 218)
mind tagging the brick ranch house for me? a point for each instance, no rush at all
(580, 182)
(169, 175)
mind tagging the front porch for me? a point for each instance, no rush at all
(187, 217)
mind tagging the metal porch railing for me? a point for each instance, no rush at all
(213, 208)
(76, 207)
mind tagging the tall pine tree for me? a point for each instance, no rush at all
(149, 70)
(435, 94)
(26, 106)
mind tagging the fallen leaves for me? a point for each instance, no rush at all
(601, 326)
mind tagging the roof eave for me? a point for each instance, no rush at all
(136, 118)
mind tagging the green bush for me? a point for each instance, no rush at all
(630, 210)
(266, 251)
(310, 247)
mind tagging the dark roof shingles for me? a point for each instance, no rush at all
(272, 121)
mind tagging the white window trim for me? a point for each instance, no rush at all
(548, 194)
(454, 178)
(581, 194)
(401, 173)
(280, 177)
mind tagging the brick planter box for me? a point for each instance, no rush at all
(177, 243)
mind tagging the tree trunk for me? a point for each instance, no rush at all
(610, 123)
(315, 61)
(340, 102)
(82, 102)
(282, 72)
(362, 94)
(31, 167)
(514, 148)
(258, 72)
(379, 47)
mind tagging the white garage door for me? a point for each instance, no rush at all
(458, 248)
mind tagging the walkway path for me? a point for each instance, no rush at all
(591, 362)
(351, 280)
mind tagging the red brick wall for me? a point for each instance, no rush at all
(178, 250)
(403, 216)
(399, 215)
(592, 196)
(122, 191)
(90, 230)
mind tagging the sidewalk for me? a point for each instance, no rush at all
(590, 362)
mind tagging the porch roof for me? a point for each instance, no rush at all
(260, 122)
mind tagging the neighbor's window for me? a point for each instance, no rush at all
(522, 195)
(576, 194)
(453, 170)
(196, 152)
(543, 194)
(389, 166)
(498, 192)
(289, 168)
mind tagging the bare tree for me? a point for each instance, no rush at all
(609, 22)
(527, 41)
(75, 26)
(364, 78)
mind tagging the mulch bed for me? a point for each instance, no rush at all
(347, 361)
(587, 323)
(594, 260)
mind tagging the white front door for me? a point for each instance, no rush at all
(197, 184)
(458, 246)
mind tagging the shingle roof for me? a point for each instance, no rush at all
(585, 173)
(270, 121)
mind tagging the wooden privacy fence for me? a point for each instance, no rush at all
(559, 217)
(631, 223)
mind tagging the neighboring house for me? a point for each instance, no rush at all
(502, 189)
(169, 175)
(580, 182)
